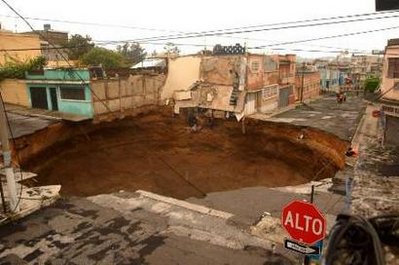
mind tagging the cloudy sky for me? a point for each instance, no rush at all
(143, 19)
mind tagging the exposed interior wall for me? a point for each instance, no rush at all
(14, 91)
(221, 70)
(124, 94)
(182, 73)
(10, 40)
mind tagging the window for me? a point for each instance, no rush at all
(269, 92)
(74, 93)
(255, 66)
(269, 65)
(393, 68)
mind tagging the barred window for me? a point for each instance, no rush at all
(255, 66)
(74, 93)
(393, 67)
(269, 92)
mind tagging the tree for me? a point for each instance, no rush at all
(78, 45)
(105, 57)
(371, 84)
(132, 53)
(171, 49)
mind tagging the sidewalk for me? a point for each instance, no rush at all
(376, 190)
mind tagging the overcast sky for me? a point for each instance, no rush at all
(193, 16)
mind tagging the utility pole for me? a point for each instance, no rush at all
(303, 80)
(5, 145)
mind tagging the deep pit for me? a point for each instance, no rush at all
(157, 152)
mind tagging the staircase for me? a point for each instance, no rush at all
(234, 96)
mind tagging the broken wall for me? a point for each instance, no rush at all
(14, 91)
(182, 73)
(221, 70)
(124, 94)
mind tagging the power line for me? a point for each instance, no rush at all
(58, 51)
(178, 44)
(264, 28)
(325, 37)
(94, 24)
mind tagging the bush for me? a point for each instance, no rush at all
(17, 69)
(371, 84)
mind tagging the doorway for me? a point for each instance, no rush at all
(38, 97)
(53, 97)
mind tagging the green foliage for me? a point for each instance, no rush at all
(17, 69)
(78, 46)
(132, 53)
(105, 57)
(171, 49)
(371, 84)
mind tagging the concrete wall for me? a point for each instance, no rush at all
(182, 73)
(14, 91)
(125, 94)
(9, 40)
(388, 83)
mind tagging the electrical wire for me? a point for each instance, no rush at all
(226, 29)
(94, 24)
(58, 51)
(178, 44)
(325, 37)
(267, 27)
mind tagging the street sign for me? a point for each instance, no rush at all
(298, 247)
(303, 222)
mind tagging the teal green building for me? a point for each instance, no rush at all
(63, 90)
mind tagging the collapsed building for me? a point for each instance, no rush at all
(230, 84)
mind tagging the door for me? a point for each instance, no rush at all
(250, 104)
(284, 96)
(53, 97)
(38, 96)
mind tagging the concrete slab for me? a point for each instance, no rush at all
(22, 125)
(44, 113)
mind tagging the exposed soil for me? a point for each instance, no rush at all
(157, 152)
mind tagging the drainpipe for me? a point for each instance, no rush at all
(12, 191)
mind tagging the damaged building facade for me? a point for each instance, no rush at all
(239, 84)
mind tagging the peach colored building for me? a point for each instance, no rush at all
(18, 47)
(389, 89)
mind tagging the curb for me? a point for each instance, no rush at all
(183, 204)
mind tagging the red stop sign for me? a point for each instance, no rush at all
(304, 222)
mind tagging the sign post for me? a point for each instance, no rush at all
(306, 225)
(303, 222)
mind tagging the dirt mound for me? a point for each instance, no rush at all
(158, 153)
